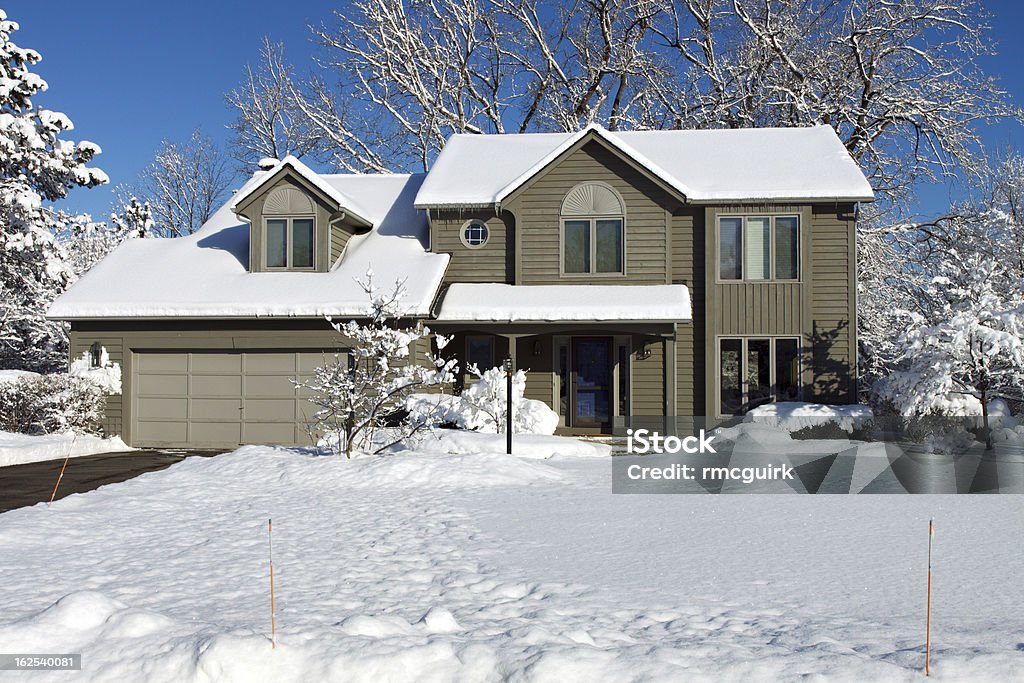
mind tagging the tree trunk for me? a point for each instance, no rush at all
(985, 430)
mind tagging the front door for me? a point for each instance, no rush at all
(592, 382)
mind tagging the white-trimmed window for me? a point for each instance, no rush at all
(759, 248)
(474, 234)
(757, 370)
(593, 236)
(289, 230)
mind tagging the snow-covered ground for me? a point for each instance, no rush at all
(18, 449)
(484, 567)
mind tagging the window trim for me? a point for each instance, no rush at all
(289, 237)
(592, 220)
(773, 380)
(772, 217)
(462, 233)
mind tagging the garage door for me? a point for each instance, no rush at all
(221, 399)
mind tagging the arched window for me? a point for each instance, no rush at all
(289, 230)
(593, 231)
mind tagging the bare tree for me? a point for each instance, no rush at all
(899, 80)
(268, 123)
(184, 184)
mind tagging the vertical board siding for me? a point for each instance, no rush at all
(538, 212)
(687, 266)
(759, 308)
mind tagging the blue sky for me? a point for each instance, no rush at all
(131, 73)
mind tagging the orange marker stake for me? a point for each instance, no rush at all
(928, 621)
(62, 468)
(273, 631)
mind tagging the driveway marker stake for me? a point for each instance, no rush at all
(62, 467)
(928, 620)
(273, 630)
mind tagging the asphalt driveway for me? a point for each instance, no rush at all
(23, 485)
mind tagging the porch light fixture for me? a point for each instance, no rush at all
(537, 348)
(95, 355)
(644, 352)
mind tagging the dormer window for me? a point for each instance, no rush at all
(289, 230)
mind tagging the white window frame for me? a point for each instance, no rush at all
(773, 380)
(289, 240)
(772, 217)
(462, 234)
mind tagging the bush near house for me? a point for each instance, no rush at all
(48, 404)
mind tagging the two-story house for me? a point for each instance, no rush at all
(655, 273)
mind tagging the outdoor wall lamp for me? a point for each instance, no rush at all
(95, 355)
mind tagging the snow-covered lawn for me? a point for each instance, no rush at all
(484, 567)
(18, 449)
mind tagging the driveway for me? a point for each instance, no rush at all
(23, 485)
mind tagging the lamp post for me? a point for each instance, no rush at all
(508, 405)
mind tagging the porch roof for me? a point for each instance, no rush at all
(473, 302)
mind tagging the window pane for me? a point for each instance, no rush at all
(757, 248)
(731, 389)
(787, 238)
(609, 246)
(730, 242)
(787, 370)
(577, 246)
(302, 243)
(480, 352)
(277, 243)
(759, 369)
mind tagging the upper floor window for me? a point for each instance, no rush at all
(474, 234)
(593, 231)
(289, 236)
(759, 248)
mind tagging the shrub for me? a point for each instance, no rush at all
(50, 404)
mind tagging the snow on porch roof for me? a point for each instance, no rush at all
(751, 164)
(560, 303)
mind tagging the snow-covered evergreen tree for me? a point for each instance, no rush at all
(87, 242)
(36, 167)
(361, 395)
(970, 341)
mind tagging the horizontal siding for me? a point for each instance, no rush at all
(648, 375)
(113, 413)
(538, 212)
(832, 331)
(490, 263)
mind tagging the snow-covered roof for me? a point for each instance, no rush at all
(564, 303)
(206, 274)
(331, 190)
(751, 164)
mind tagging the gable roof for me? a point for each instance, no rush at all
(749, 164)
(206, 274)
(344, 202)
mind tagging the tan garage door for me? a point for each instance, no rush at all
(221, 399)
